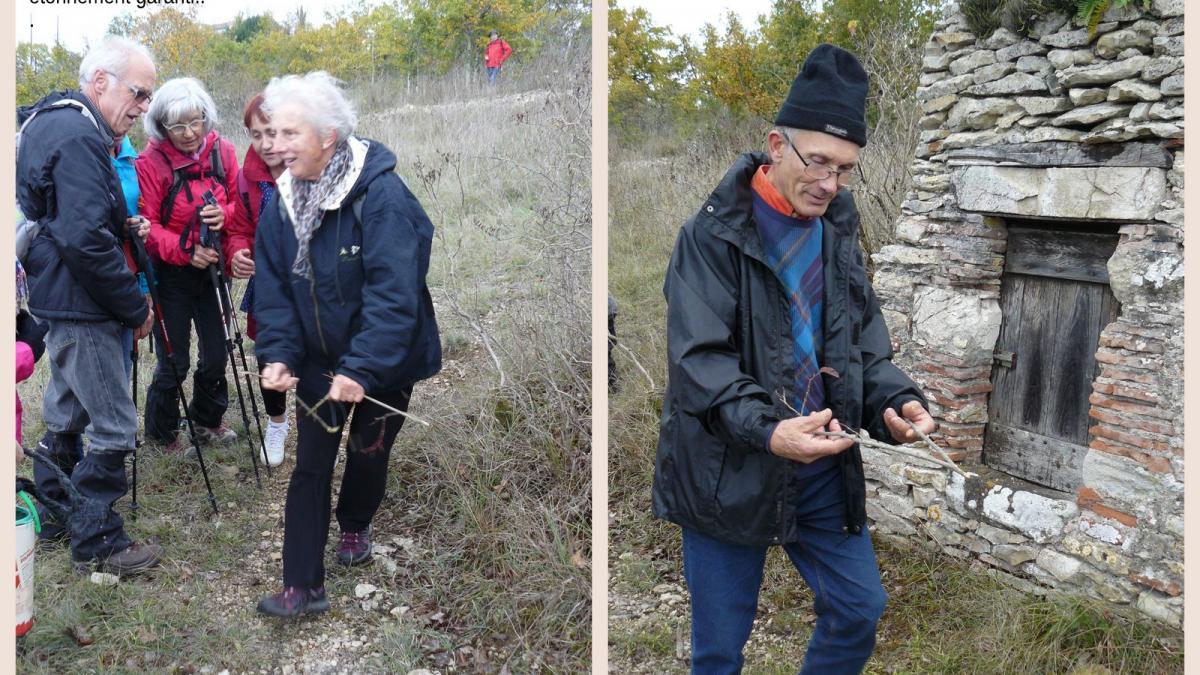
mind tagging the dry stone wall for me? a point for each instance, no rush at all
(1053, 125)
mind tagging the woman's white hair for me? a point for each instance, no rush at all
(175, 99)
(111, 55)
(321, 101)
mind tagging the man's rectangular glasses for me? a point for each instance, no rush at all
(820, 171)
(139, 95)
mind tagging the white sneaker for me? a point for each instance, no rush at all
(276, 434)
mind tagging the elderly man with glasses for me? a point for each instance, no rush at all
(775, 340)
(82, 287)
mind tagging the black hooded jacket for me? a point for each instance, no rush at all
(65, 180)
(729, 345)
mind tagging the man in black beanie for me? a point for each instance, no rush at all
(775, 337)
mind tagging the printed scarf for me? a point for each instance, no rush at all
(307, 197)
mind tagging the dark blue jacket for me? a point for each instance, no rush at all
(366, 313)
(65, 180)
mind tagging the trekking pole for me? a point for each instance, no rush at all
(137, 441)
(227, 288)
(169, 353)
(237, 339)
(133, 356)
(215, 274)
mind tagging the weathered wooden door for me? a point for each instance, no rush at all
(1054, 302)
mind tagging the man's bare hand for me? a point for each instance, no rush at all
(914, 412)
(277, 377)
(202, 257)
(138, 226)
(798, 438)
(345, 389)
(147, 326)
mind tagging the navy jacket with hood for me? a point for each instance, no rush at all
(366, 313)
(65, 180)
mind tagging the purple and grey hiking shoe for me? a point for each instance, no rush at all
(293, 601)
(355, 547)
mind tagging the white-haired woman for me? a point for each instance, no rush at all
(184, 161)
(343, 311)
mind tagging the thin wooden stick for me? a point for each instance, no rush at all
(869, 442)
(887, 447)
(934, 446)
(377, 402)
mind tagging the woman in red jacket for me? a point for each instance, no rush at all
(184, 161)
(256, 187)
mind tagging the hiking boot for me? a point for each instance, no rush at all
(132, 560)
(273, 443)
(293, 601)
(355, 547)
(218, 435)
(179, 446)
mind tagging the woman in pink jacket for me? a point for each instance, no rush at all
(30, 345)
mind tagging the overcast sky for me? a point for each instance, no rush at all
(689, 16)
(80, 22)
(83, 23)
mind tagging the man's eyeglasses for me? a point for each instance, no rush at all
(139, 95)
(195, 126)
(819, 170)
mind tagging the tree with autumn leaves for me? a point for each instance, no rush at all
(359, 42)
(743, 69)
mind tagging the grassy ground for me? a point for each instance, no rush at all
(944, 615)
(484, 563)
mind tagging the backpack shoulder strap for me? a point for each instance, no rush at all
(243, 188)
(216, 168)
(178, 179)
(62, 103)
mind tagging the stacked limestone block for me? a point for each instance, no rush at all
(1038, 103)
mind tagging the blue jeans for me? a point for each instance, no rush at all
(492, 73)
(88, 392)
(723, 580)
(127, 348)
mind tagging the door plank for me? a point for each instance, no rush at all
(1040, 459)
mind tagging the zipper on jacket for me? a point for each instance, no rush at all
(779, 363)
(337, 263)
(312, 291)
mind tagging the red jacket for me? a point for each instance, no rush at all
(155, 170)
(246, 214)
(248, 194)
(497, 51)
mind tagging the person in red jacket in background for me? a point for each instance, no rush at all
(256, 188)
(185, 147)
(496, 54)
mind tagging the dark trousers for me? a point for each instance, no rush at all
(96, 530)
(306, 515)
(187, 297)
(275, 402)
(723, 581)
